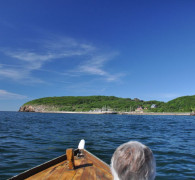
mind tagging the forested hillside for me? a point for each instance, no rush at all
(181, 104)
(91, 103)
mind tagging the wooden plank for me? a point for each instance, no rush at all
(102, 170)
(39, 168)
(78, 174)
(66, 174)
(44, 174)
(97, 161)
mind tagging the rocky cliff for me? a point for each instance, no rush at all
(26, 109)
(33, 108)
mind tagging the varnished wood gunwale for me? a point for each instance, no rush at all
(88, 166)
(41, 167)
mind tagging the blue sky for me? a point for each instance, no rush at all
(136, 49)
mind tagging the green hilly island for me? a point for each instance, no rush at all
(108, 103)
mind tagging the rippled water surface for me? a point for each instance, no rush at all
(29, 139)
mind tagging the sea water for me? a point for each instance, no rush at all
(29, 139)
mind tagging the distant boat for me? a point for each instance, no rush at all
(75, 164)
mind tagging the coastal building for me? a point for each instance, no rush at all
(153, 106)
(139, 109)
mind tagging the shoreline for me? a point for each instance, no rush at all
(121, 113)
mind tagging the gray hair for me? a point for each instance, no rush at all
(133, 161)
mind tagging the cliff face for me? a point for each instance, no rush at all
(27, 109)
(34, 108)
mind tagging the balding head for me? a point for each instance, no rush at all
(133, 161)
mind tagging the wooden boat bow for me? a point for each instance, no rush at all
(75, 164)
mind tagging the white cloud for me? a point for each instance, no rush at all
(93, 62)
(114, 77)
(11, 73)
(18, 73)
(8, 95)
(67, 46)
(46, 50)
(95, 66)
(33, 61)
(29, 56)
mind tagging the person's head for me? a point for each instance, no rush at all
(133, 161)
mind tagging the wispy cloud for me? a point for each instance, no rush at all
(96, 65)
(18, 73)
(11, 73)
(65, 46)
(52, 50)
(9, 95)
(93, 61)
(34, 59)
